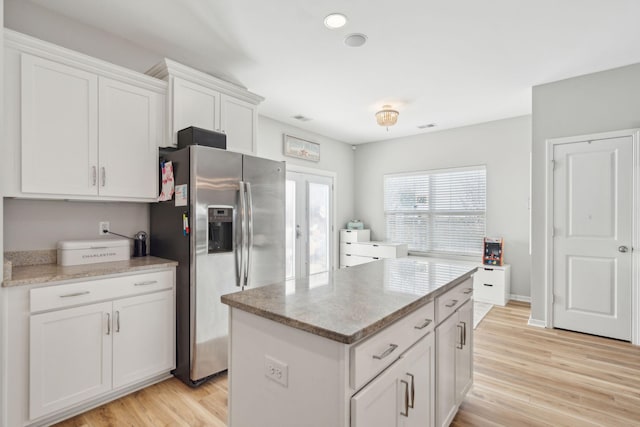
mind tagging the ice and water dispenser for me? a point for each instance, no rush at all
(220, 229)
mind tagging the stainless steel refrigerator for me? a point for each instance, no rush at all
(235, 213)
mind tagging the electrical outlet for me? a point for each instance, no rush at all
(276, 370)
(104, 228)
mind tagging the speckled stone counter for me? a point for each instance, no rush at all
(352, 303)
(44, 273)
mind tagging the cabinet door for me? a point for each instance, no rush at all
(143, 337)
(70, 357)
(464, 351)
(194, 105)
(59, 128)
(447, 339)
(239, 120)
(380, 402)
(419, 364)
(130, 125)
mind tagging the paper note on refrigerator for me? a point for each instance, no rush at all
(181, 195)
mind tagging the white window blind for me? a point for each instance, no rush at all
(437, 212)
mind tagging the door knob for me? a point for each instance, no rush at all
(298, 232)
(622, 249)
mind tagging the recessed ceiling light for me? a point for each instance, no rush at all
(355, 40)
(427, 126)
(335, 20)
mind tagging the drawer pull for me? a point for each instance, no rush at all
(347, 254)
(347, 231)
(98, 247)
(424, 324)
(468, 291)
(148, 282)
(406, 399)
(348, 243)
(375, 246)
(488, 284)
(375, 257)
(452, 303)
(75, 294)
(488, 269)
(385, 353)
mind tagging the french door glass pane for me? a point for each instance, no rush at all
(290, 229)
(318, 228)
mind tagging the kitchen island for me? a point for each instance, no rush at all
(380, 344)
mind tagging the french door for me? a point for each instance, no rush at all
(309, 224)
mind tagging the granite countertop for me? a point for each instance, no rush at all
(43, 273)
(352, 303)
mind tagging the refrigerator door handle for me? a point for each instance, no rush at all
(240, 214)
(249, 233)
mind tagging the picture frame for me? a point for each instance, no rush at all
(301, 148)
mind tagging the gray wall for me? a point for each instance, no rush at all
(598, 102)
(503, 146)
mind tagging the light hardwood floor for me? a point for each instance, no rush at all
(524, 376)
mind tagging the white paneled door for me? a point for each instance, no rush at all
(592, 236)
(309, 224)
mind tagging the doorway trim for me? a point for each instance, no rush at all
(334, 178)
(548, 242)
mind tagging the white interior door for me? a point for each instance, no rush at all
(309, 224)
(592, 236)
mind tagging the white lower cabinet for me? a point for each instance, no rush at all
(454, 362)
(403, 395)
(70, 353)
(82, 352)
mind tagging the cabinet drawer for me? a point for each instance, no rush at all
(351, 260)
(373, 250)
(355, 235)
(59, 296)
(453, 299)
(374, 354)
(491, 285)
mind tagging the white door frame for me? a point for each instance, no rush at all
(548, 243)
(333, 176)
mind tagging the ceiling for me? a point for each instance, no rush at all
(448, 62)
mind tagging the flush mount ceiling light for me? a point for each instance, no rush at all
(335, 20)
(387, 117)
(355, 40)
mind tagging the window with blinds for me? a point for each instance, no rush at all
(437, 212)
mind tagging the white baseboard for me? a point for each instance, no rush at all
(522, 298)
(537, 323)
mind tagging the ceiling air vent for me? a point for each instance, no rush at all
(301, 118)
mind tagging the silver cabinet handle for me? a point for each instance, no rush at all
(406, 399)
(424, 324)
(94, 175)
(108, 323)
(452, 303)
(413, 390)
(460, 336)
(104, 175)
(464, 333)
(75, 294)
(468, 291)
(148, 282)
(117, 321)
(488, 284)
(385, 353)
(622, 249)
(375, 257)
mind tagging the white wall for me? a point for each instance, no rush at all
(335, 156)
(503, 146)
(40, 224)
(598, 102)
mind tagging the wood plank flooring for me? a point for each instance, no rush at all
(524, 376)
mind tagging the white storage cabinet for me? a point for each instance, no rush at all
(492, 284)
(356, 248)
(201, 100)
(90, 338)
(454, 344)
(78, 127)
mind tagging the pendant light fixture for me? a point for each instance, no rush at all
(387, 116)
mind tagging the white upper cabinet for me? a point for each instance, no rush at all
(77, 127)
(201, 100)
(59, 128)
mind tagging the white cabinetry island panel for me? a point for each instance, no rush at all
(358, 350)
